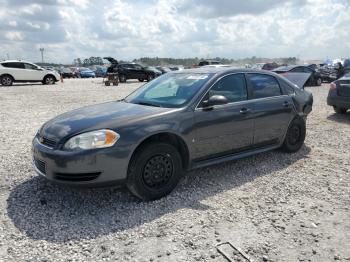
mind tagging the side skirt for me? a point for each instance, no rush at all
(243, 154)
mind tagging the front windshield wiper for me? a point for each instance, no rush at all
(147, 104)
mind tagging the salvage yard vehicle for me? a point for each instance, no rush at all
(86, 73)
(339, 94)
(315, 77)
(12, 71)
(66, 73)
(163, 69)
(135, 71)
(180, 121)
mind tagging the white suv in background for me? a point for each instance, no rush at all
(20, 71)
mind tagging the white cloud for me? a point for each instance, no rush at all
(175, 28)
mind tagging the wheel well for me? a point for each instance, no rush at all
(171, 139)
(7, 75)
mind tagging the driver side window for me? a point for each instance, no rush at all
(233, 87)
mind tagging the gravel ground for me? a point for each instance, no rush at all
(273, 206)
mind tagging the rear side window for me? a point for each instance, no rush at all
(233, 87)
(13, 65)
(264, 86)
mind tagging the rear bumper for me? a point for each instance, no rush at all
(86, 168)
(340, 101)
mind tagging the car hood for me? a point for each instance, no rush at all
(109, 115)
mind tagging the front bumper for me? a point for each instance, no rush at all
(98, 167)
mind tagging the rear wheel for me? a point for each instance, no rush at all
(154, 171)
(6, 80)
(295, 135)
(339, 110)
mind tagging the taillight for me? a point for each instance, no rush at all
(333, 86)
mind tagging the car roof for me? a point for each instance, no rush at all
(287, 68)
(221, 71)
(16, 61)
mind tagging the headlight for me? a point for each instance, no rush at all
(91, 140)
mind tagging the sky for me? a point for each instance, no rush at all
(128, 29)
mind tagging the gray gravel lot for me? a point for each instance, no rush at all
(273, 206)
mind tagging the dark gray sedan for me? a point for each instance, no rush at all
(180, 121)
(339, 94)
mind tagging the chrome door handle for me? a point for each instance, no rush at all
(244, 110)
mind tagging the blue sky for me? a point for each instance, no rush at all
(67, 29)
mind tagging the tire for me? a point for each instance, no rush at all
(295, 136)
(122, 78)
(339, 110)
(49, 80)
(150, 78)
(141, 79)
(154, 171)
(6, 80)
(318, 81)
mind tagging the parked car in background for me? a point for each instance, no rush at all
(75, 71)
(100, 71)
(180, 121)
(176, 68)
(66, 73)
(86, 73)
(164, 69)
(339, 94)
(347, 65)
(265, 66)
(135, 71)
(154, 69)
(12, 71)
(208, 62)
(315, 78)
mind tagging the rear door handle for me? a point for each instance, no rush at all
(244, 110)
(285, 103)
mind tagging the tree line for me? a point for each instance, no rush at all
(88, 61)
(187, 62)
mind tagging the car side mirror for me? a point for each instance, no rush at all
(215, 101)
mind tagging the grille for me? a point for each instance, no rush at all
(40, 165)
(47, 142)
(77, 177)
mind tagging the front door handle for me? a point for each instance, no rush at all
(244, 110)
(286, 104)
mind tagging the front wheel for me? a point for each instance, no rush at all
(49, 80)
(295, 136)
(339, 110)
(154, 171)
(141, 79)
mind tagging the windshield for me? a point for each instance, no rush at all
(169, 90)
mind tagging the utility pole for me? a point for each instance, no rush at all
(42, 54)
(8, 56)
